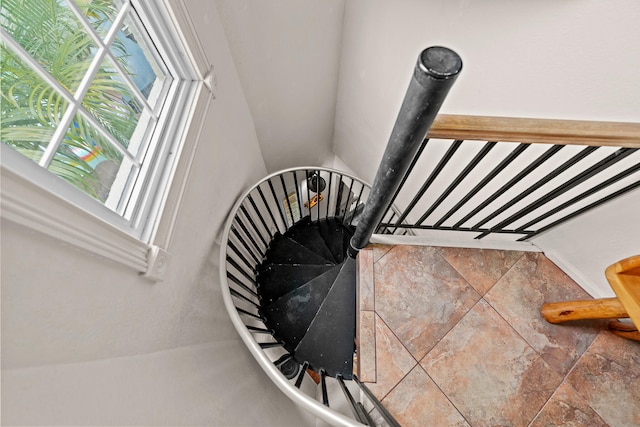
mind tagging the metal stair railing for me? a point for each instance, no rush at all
(272, 206)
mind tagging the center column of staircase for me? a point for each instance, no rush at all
(434, 74)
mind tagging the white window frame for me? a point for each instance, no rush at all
(35, 198)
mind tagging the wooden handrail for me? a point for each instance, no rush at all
(544, 131)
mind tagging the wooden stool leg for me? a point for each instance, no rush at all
(604, 308)
(625, 330)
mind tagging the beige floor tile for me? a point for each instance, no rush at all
(481, 267)
(420, 296)
(518, 297)
(608, 378)
(489, 372)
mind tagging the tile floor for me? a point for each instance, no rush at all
(453, 337)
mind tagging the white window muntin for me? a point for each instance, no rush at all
(155, 172)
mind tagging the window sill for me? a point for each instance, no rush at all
(28, 204)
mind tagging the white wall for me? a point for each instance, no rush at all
(547, 59)
(287, 53)
(88, 342)
(586, 246)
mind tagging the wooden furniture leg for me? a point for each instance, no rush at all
(604, 308)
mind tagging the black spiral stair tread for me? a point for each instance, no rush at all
(334, 234)
(308, 236)
(278, 279)
(291, 314)
(329, 342)
(283, 250)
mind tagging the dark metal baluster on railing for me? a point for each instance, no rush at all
(427, 184)
(323, 381)
(406, 175)
(434, 74)
(244, 298)
(548, 177)
(605, 199)
(302, 373)
(265, 345)
(581, 177)
(339, 197)
(625, 173)
(356, 407)
(355, 210)
(260, 216)
(277, 202)
(247, 313)
(295, 183)
(318, 185)
(241, 256)
(250, 237)
(383, 411)
(245, 244)
(254, 226)
(346, 206)
(241, 270)
(461, 176)
(286, 197)
(242, 285)
(329, 193)
(266, 205)
(494, 172)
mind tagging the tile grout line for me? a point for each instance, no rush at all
(444, 394)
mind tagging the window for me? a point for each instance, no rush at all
(96, 92)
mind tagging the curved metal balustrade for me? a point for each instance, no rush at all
(275, 207)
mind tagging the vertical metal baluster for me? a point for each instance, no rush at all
(383, 411)
(309, 196)
(249, 236)
(583, 209)
(325, 397)
(357, 203)
(286, 197)
(241, 256)
(548, 177)
(406, 175)
(581, 177)
(329, 194)
(245, 244)
(295, 182)
(432, 177)
(275, 199)
(339, 199)
(461, 176)
(358, 412)
(259, 215)
(625, 173)
(303, 371)
(318, 193)
(254, 226)
(241, 270)
(266, 205)
(496, 170)
(346, 206)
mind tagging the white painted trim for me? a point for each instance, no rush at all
(189, 35)
(436, 239)
(172, 203)
(37, 208)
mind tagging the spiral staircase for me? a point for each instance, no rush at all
(290, 286)
(288, 259)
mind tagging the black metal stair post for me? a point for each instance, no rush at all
(433, 76)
